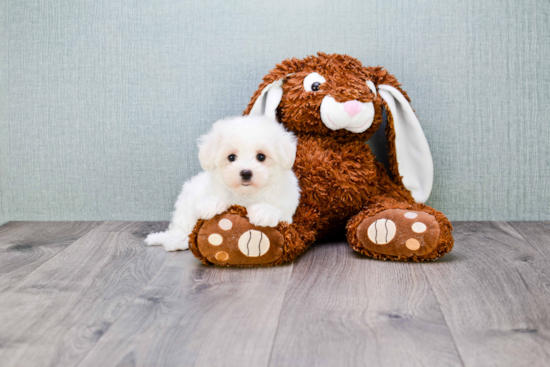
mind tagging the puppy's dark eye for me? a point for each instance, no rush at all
(232, 158)
(260, 157)
(315, 86)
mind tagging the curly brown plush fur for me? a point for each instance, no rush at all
(342, 183)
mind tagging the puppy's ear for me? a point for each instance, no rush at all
(268, 100)
(409, 153)
(208, 144)
(287, 150)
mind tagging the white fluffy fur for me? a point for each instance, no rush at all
(271, 196)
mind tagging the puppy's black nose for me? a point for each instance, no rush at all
(246, 174)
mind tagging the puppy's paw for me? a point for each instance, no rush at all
(172, 240)
(154, 239)
(210, 207)
(182, 244)
(263, 215)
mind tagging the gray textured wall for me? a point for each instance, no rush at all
(102, 100)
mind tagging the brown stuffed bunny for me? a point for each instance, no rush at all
(334, 105)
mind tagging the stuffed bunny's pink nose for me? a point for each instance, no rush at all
(352, 108)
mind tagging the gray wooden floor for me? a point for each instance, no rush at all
(91, 294)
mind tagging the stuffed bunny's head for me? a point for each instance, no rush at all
(336, 97)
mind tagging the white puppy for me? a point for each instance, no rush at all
(247, 161)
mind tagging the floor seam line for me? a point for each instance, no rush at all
(444, 318)
(280, 316)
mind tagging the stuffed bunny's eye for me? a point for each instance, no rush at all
(313, 81)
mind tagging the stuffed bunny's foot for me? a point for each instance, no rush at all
(401, 234)
(229, 239)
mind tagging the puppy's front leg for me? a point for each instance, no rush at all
(263, 215)
(209, 207)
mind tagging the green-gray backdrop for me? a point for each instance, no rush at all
(101, 101)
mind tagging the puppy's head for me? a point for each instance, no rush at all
(247, 153)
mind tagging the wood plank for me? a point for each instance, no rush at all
(537, 234)
(56, 314)
(8, 226)
(339, 308)
(24, 246)
(197, 315)
(344, 309)
(494, 290)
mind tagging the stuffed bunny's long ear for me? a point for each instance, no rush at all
(414, 160)
(269, 99)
